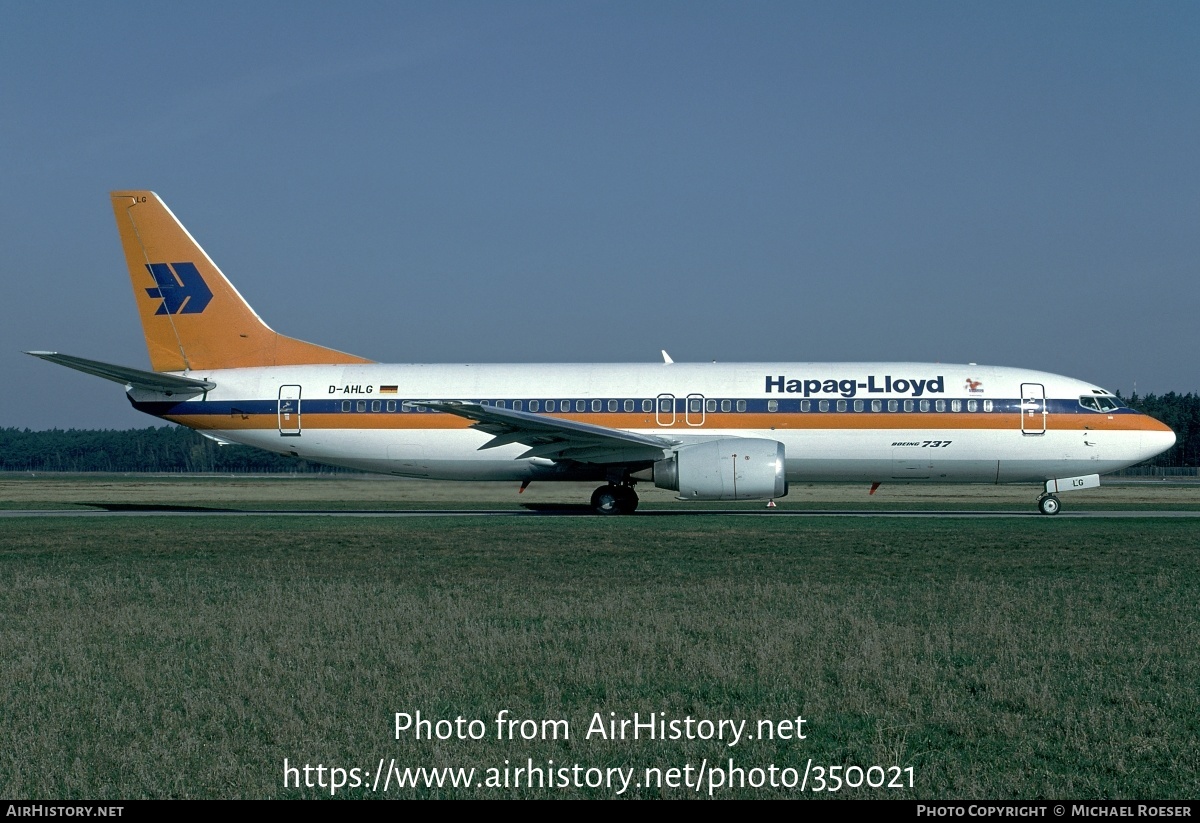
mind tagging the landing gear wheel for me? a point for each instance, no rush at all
(614, 500)
(1048, 504)
(629, 499)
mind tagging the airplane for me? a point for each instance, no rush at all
(708, 431)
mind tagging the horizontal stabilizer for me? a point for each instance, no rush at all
(137, 378)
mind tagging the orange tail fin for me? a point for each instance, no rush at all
(192, 316)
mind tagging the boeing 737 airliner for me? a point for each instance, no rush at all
(738, 431)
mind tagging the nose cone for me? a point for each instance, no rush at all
(1156, 438)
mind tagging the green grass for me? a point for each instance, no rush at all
(188, 657)
(376, 493)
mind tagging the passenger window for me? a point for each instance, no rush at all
(710, 405)
(664, 405)
(858, 405)
(694, 405)
(391, 406)
(741, 405)
(374, 405)
(876, 405)
(612, 405)
(972, 405)
(772, 405)
(726, 406)
(564, 405)
(955, 405)
(924, 405)
(628, 405)
(361, 406)
(597, 405)
(823, 405)
(499, 404)
(647, 406)
(345, 405)
(580, 405)
(805, 405)
(534, 405)
(893, 405)
(841, 405)
(987, 405)
(939, 405)
(518, 405)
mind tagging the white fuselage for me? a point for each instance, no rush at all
(872, 422)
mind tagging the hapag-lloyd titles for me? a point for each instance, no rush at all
(912, 386)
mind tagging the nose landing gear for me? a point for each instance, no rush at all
(1048, 504)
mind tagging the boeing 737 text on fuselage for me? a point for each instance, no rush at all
(737, 431)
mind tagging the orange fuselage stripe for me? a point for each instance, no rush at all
(746, 421)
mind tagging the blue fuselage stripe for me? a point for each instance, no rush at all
(227, 408)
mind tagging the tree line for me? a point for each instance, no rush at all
(178, 449)
(153, 449)
(1182, 413)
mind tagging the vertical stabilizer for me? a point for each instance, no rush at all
(192, 316)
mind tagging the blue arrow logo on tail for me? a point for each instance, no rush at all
(183, 291)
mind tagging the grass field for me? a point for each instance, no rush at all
(357, 492)
(188, 657)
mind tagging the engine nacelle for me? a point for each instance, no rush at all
(732, 468)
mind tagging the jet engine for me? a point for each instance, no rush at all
(731, 468)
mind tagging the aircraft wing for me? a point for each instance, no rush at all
(153, 381)
(555, 438)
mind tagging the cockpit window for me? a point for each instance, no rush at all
(1099, 403)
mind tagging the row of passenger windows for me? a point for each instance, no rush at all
(667, 405)
(647, 406)
(895, 405)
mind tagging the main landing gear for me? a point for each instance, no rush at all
(1048, 504)
(615, 498)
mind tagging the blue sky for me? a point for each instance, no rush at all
(1005, 183)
